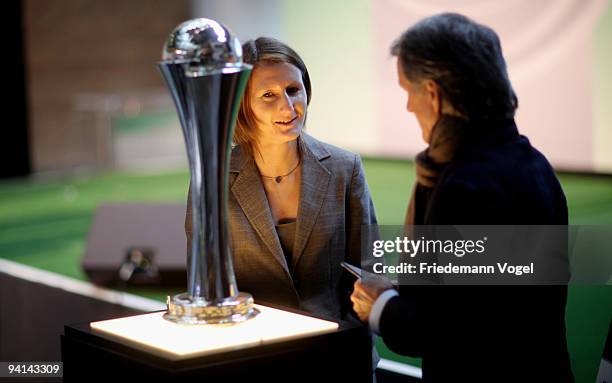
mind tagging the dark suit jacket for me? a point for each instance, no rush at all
(487, 333)
(334, 204)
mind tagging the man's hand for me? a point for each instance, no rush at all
(366, 292)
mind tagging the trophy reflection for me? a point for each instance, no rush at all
(203, 69)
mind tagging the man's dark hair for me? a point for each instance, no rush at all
(464, 59)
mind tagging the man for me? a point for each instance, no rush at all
(477, 170)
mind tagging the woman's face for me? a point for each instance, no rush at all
(278, 101)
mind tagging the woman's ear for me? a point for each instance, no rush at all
(433, 95)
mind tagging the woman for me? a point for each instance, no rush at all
(296, 205)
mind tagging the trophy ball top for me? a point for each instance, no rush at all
(203, 42)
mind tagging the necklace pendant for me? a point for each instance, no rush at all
(278, 179)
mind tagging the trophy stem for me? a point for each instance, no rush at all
(207, 105)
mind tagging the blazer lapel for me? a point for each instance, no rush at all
(315, 181)
(251, 197)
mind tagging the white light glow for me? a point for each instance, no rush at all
(152, 333)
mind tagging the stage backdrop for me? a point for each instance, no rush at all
(558, 55)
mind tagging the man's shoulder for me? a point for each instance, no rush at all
(514, 184)
(514, 164)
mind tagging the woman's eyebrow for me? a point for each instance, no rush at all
(268, 85)
(275, 86)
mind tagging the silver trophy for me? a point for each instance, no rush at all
(202, 66)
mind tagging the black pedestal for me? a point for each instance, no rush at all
(344, 355)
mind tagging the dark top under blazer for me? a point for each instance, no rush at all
(487, 333)
(334, 204)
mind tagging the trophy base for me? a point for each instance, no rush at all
(185, 309)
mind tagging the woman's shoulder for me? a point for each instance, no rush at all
(238, 158)
(329, 153)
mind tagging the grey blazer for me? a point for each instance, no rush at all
(334, 204)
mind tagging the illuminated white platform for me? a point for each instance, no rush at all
(153, 334)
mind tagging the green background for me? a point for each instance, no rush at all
(44, 223)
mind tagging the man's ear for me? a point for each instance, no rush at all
(433, 95)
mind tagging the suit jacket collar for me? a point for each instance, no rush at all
(313, 189)
(249, 192)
